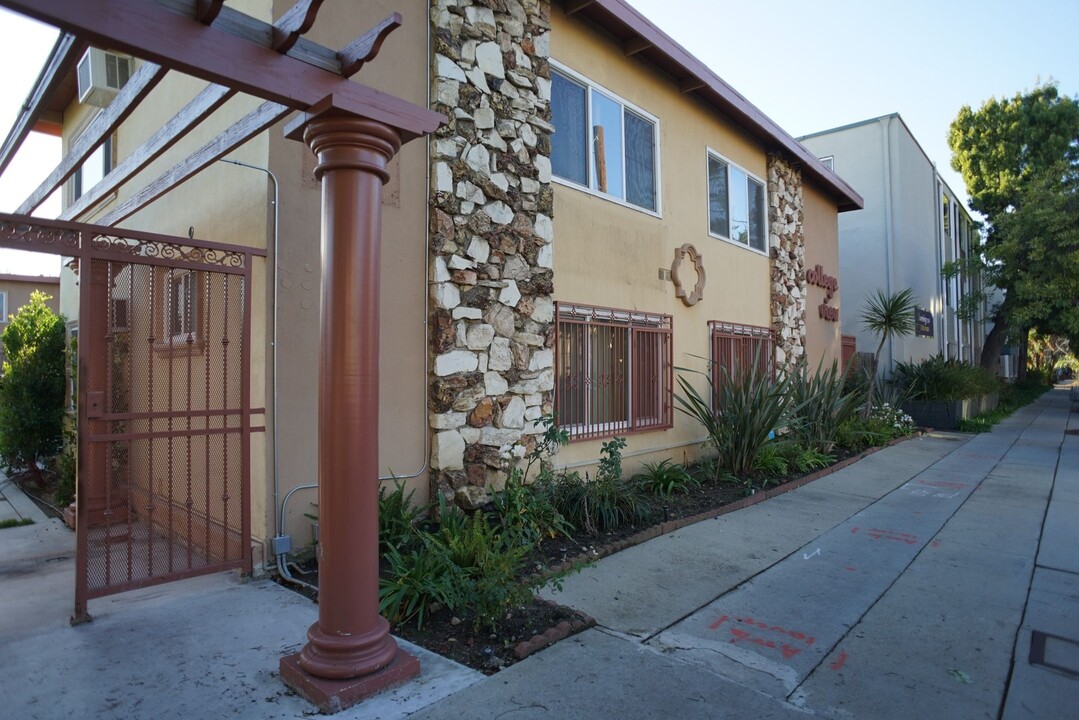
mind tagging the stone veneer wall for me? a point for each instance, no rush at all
(787, 250)
(492, 311)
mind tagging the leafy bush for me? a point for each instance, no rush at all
(527, 512)
(606, 503)
(822, 402)
(397, 517)
(416, 580)
(32, 387)
(666, 478)
(750, 406)
(941, 378)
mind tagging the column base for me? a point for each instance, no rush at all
(331, 696)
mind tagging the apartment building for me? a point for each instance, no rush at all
(599, 210)
(911, 226)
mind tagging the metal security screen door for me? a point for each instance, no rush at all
(164, 406)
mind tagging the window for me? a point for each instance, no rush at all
(179, 318)
(736, 348)
(614, 371)
(96, 166)
(3, 307)
(828, 162)
(736, 204)
(601, 143)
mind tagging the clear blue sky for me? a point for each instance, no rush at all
(809, 65)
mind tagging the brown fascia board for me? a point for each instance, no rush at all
(37, 279)
(624, 22)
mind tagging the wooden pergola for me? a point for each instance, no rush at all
(353, 131)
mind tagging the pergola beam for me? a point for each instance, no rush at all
(133, 26)
(236, 135)
(65, 53)
(138, 87)
(201, 106)
(364, 48)
(295, 22)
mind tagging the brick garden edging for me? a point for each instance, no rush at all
(561, 631)
(671, 525)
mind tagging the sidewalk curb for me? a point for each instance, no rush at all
(672, 525)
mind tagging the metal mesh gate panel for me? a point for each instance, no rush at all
(164, 461)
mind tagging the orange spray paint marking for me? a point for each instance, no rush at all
(840, 662)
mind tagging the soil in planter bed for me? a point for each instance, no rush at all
(455, 635)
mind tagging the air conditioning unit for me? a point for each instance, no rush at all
(101, 75)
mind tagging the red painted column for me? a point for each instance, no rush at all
(350, 653)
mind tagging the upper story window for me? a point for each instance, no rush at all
(96, 166)
(736, 204)
(828, 162)
(3, 307)
(602, 143)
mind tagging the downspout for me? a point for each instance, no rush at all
(281, 557)
(889, 229)
(280, 511)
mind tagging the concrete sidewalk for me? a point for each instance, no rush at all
(905, 586)
(910, 584)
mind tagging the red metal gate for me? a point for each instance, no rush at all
(164, 403)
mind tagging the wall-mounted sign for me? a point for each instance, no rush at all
(923, 322)
(691, 298)
(817, 276)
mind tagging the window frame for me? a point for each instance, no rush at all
(190, 339)
(75, 190)
(711, 153)
(657, 324)
(589, 86)
(3, 306)
(737, 332)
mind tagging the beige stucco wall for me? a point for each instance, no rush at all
(821, 232)
(400, 68)
(224, 203)
(610, 255)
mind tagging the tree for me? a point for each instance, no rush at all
(887, 316)
(32, 387)
(1019, 158)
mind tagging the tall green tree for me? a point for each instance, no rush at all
(1019, 158)
(32, 387)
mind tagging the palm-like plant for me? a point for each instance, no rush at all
(886, 316)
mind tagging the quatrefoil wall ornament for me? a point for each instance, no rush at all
(690, 299)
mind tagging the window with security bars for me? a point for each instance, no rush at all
(614, 371)
(735, 348)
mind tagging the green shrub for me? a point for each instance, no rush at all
(416, 580)
(32, 387)
(941, 378)
(606, 503)
(397, 517)
(666, 478)
(527, 512)
(822, 402)
(749, 407)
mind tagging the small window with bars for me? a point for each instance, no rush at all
(736, 348)
(614, 371)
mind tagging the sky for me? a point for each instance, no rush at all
(809, 65)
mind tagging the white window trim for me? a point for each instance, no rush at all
(592, 85)
(710, 152)
(69, 192)
(3, 306)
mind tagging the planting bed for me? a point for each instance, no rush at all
(529, 628)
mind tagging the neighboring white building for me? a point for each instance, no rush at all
(911, 225)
